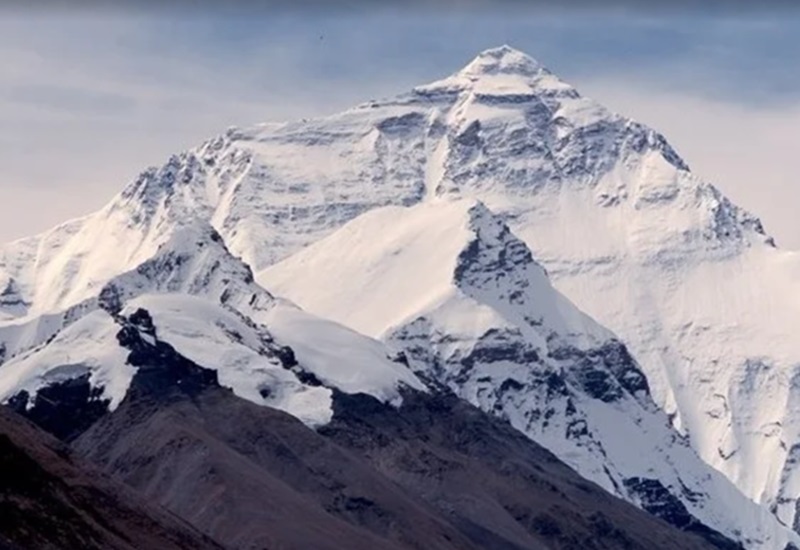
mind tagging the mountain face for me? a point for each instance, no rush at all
(474, 311)
(50, 499)
(254, 477)
(85, 368)
(251, 476)
(370, 221)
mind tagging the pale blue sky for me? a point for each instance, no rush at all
(88, 98)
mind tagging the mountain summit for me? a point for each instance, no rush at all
(502, 59)
(498, 72)
(612, 240)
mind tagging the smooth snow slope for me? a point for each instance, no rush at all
(451, 286)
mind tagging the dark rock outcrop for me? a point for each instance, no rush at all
(656, 499)
(64, 409)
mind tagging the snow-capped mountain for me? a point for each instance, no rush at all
(431, 472)
(209, 308)
(192, 259)
(117, 376)
(699, 294)
(447, 283)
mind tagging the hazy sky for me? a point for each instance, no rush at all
(89, 98)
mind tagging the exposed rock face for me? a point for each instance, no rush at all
(377, 476)
(504, 490)
(65, 409)
(656, 499)
(161, 371)
(250, 476)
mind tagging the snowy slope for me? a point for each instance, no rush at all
(87, 347)
(710, 318)
(248, 359)
(72, 262)
(193, 259)
(243, 354)
(687, 279)
(340, 357)
(205, 303)
(449, 285)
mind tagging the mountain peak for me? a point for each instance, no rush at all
(500, 71)
(387, 252)
(502, 60)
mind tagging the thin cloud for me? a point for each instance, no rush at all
(426, 6)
